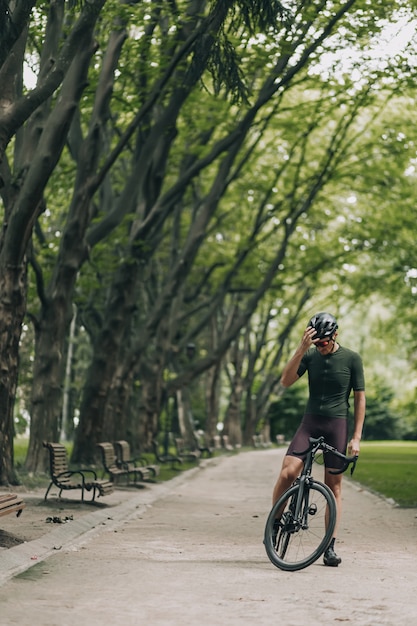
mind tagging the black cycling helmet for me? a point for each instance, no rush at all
(324, 324)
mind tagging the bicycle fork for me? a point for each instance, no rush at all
(298, 504)
(303, 508)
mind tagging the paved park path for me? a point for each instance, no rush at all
(190, 552)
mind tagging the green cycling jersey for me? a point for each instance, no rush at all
(331, 379)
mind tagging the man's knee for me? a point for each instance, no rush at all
(291, 468)
(334, 482)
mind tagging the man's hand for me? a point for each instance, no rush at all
(289, 374)
(307, 339)
(354, 447)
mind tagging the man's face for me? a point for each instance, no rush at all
(325, 345)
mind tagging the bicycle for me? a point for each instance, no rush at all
(300, 525)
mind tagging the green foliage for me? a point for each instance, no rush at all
(285, 414)
(260, 15)
(390, 469)
(408, 409)
(381, 421)
(21, 423)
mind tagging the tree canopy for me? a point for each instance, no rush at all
(191, 174)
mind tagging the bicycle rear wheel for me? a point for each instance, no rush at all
(293, 543)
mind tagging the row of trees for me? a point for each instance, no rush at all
(181, 184)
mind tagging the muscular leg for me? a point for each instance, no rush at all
(334, 481)
(291, 468)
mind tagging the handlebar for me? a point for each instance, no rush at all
(320, 444)
(348, 461)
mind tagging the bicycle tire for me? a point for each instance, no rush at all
(300, 544)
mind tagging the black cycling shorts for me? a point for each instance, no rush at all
(333, 429)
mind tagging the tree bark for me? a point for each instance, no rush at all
(12, 311)
(101, 374)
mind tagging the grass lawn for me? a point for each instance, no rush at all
(390, 469)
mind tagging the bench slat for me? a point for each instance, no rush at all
(11, 503)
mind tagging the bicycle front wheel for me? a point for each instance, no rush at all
(296, 539)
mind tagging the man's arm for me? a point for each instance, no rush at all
(359, 403)
(289, 374)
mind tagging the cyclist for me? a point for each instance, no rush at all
(333, 372)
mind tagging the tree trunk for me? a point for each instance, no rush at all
(48, 376)
(108, 347)
(212, 401)
(232, 420)
(12, 311)
(67, 425)
(145, 415)
(116, 411)
(185, 417)
(251, 418)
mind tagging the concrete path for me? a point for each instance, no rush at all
(190, 552)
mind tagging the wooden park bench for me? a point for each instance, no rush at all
(280, 439)
(202, 443)
(115, 471)
(124, 459)
(11, 503)
(226, 444)
(66, 479)
(259, 441)
(164, 457)
(185, 453)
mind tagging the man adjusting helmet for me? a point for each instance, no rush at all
(334, 372)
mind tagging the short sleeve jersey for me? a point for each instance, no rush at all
(331, 379)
